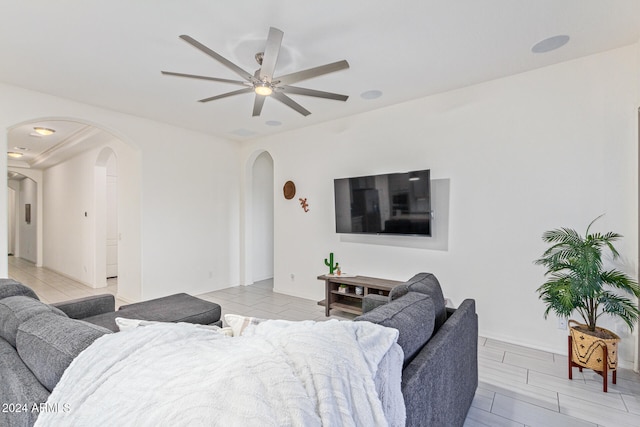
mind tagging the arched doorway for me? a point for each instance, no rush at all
(262, 217)
(258, 219)
(24, 220)
(71, 169)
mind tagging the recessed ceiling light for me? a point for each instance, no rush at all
(552, 43)
(14, 155)
(21, 148)
(44, 131)
(371, 94)
(272, 123)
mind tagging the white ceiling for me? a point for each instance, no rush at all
(40, 152)
(110, 53)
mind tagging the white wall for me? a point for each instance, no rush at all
(181, 230)
(70, 232)
(27, 245)
(190, 218)
(262, 217)
(549, 148)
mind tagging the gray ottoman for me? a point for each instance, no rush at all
(174, 308)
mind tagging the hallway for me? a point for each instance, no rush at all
(53, 287)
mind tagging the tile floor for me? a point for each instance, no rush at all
(53, 287)
(518, 386)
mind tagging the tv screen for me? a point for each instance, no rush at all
(396, 203)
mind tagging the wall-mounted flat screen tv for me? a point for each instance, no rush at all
(396, 203)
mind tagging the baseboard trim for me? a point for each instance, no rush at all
(621, 363)
(75, 279)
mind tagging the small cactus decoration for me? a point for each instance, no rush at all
(330, 263)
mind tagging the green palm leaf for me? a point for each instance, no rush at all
(577, 282)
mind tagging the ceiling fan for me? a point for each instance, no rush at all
(263, 83)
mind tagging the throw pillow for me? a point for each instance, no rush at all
(239, 323)
(125, 324)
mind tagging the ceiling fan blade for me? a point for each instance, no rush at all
(312, 72)
(193, 76)
(271, 51)
(230, 65)
(257, 105)
(291, 103)
(225, 95)
(312, 92)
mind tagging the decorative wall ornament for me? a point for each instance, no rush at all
(289, 190)
(304, 204)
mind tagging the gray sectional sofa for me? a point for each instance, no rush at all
(440, 373)
(100, 310)
(38, 341)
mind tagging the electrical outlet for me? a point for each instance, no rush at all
(562, 323)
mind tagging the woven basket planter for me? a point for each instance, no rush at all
(588, 350)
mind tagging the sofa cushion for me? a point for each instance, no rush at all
(425, 283)
(19, 387)
(174, 308)
(47, 343)
(9, 288)
(412, 315)
(17, 309)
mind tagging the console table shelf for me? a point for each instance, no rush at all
(350, 301)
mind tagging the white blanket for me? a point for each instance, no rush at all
(280, 373)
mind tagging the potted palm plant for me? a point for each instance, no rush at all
(578, 282)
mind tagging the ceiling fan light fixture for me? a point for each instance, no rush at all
(263, 89)
(44, 131)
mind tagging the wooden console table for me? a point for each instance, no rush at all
(349, 301)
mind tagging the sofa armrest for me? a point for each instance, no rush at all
(445, 370)
(371, 301)
(88, 306)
